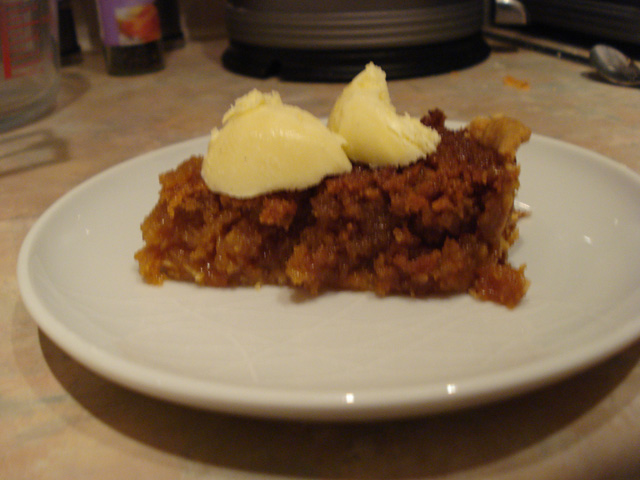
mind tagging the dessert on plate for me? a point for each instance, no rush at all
(372, 201)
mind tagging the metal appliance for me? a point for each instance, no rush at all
(332, 40)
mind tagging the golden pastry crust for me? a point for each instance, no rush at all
(501, 133)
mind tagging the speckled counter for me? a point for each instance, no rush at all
(58, 420)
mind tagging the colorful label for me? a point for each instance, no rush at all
(129, 22)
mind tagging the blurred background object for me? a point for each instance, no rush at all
(30, 61)
(616, 20)
(332, 40)
(198, 20)
(170, 24)
(70, 51)
(566, 28)
(131, 36)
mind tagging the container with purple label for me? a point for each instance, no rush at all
(131, 34)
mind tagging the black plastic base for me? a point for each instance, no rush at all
(343, 65)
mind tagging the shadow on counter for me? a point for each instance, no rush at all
(415, 447)
(32, 146)
(26, 150)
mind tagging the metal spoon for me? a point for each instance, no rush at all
(615, 66)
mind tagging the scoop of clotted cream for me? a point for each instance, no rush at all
(375, 133)
(265, 146)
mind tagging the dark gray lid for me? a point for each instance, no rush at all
(333, 24)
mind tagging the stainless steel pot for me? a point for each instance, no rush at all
(332, 40)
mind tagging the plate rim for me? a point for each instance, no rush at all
(278, 403)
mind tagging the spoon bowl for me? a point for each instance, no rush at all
(615, 66)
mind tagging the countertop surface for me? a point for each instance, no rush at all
(58, 420)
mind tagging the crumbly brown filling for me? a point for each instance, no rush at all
(440, 225)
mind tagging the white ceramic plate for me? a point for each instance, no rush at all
(344, 355)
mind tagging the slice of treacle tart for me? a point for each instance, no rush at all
(442, 224)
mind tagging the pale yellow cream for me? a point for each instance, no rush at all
(374, 132)
(266, 146)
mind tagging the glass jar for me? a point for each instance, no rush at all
(30, 60)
